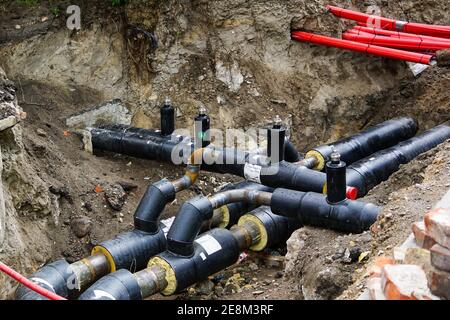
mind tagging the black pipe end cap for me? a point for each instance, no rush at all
(120, 285)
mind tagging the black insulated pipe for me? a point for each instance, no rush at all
(132, 250)
(202, 129)
(194, 213)
(313, 209)
(120, 285)
(152, 204)
(56, 277)
(213, 251)
(275, 230)
(288, 175)
(232, 212)
(336, 179)
(367, 173)
(153, 147)
(187, 225)
(219, 248)
(134, 144)
(363, 144)
(276, 137)
(167, 113)
(291, 153)
(116, 131)
(122, 128)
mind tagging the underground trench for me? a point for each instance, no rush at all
(169, 257)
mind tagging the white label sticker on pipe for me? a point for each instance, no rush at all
(167, 224)
(208, 243)
(252, 172)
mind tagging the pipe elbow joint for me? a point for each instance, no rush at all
(157, 196)
(187, 225)
(120, 285)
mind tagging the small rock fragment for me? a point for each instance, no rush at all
(115, 196)
(253, 267)
(127, 186)
(41, 132)
(81, 226)
(204, 287)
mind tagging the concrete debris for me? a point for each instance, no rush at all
(111, 112)
(230, 75)
(87, 141)
(8, 122)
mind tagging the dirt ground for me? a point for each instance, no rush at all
(244, 67)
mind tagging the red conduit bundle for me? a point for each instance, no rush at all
(390, 38)
(21, 279)
(391, 24)
(396, 34)
(365, 48)
(403, 43)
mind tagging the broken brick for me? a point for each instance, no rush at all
(423, 239)
(440, 283)
(404, 282)
(379, 263)
(440, 257)
(374, 285)
(437, 223)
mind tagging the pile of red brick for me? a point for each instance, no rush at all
(422, 272)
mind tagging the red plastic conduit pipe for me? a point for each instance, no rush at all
(359, 32)
(20, 278)
(396, 34)
(407, 44)
(391, 24)
(365, 48)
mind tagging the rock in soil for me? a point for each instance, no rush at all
(204, 288)
(81, 226)
(115, 196)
